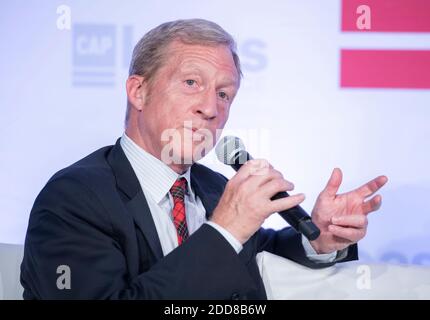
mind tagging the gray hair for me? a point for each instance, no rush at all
(150, 52)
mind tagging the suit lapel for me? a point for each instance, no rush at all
(136, 202)
(208, 191)
(143, 218)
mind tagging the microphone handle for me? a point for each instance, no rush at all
(298, 219)
(295, 216)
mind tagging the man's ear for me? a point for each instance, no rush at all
(136, 91)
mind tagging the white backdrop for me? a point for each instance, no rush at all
(61, 100)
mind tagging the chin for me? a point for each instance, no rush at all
(192, 154)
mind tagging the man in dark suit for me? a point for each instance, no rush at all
(142, 220)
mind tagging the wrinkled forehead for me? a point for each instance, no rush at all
(195, 57)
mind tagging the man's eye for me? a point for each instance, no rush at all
(223, 95)
(190, 82)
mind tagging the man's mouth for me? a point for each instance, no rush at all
(192, 128)
(199, 133)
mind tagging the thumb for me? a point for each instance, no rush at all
(333, 183)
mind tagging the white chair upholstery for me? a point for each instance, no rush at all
(10, 262)
(285, 279)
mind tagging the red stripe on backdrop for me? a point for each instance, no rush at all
(409, 69)
(388, 15)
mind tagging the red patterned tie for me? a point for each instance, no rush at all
(179, 219)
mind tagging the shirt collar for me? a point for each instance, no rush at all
(155, 177)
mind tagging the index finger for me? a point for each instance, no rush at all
(372, 186)
(251, 167)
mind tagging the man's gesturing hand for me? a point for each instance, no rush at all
(245, 203)
(342, 218)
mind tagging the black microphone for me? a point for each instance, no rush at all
(231, 151)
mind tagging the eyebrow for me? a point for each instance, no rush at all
(228, 82)
(225, 81)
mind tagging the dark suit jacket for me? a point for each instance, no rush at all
(93, 217)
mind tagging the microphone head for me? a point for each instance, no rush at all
(227, 148)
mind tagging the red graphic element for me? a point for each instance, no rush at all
(385, 69)
(388, 15)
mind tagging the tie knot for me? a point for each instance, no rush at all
(178, 189)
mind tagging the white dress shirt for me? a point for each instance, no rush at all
(156, 179)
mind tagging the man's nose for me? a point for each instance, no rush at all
(207, 107)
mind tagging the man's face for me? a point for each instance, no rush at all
(190, 98)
